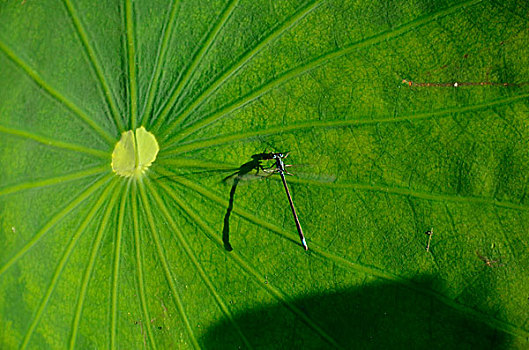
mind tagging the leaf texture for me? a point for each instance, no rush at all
(406, 116)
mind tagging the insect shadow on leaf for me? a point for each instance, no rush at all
(252, 169)
(245, 169)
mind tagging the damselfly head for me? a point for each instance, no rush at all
(280, 155)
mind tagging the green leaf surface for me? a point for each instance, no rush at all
(404, 117)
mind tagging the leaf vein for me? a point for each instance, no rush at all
(165, 264)
(160, 57)
(234, 68)
(131, 55)
(96, 65)
(62, 262)
(54, 143)
(54, 220)
(115, 270)
(52, 181)
(183, 242)
(197, 58)
(313, 64)
(139, 262)
(224, 139)
(30, 72)
(89, 270)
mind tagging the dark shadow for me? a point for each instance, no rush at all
(226, 227)
(376, 316)
(253, 165)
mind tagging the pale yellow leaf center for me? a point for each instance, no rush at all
(134, 153)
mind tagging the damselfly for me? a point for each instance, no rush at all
(280, 169)
(255, 169)
(277, 168)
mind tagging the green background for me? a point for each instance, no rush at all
(91, 260)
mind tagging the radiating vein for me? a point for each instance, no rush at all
(54, 220)
(441, 197)
(115, 270)
(31, 73)
(131, 52)
(512, 249)
(139, 262)
(311, 65)
(54, 143)
(90, 267)
(396, 190)
(160, 59)
(317, 250)
(196, 164)
(96, 65)
(52, 181)
(183, 242)
(210, 39)
(315, 124)
(236, 66)
(245, 266)
(165, 265)
(62, 262)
